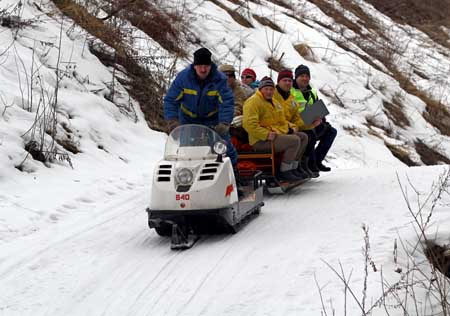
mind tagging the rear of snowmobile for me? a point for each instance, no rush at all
(194, 189)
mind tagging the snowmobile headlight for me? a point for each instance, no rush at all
(220, 147)
(185, 176)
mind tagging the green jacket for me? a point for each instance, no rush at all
(299, 97)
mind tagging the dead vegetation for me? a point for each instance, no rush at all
(394, 111)
(157, 24)
(401, 153)
(141, 84)
(427, 17)
(276, 63)
(352, 130)
(306, 52)
(267, 22)
(439, 257)
(239, 18)
(282, 3)
(437, 114)
(429, 156)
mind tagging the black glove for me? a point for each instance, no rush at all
(222, 129)
(172, 124)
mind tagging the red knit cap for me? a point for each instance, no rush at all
(249, 72)
(284, 74)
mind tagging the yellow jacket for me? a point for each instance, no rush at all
(292, 111)
(261, 117)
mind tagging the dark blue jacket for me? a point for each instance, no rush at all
(212, 101)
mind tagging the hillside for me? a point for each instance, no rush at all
(385, 80)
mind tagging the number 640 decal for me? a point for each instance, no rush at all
(182, 197)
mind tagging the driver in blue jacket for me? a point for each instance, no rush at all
(200, 95)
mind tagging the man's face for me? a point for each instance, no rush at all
(267, 92)
(202, 71)
(247, 79)
(302, 81)
(285, 84)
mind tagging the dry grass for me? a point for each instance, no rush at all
(68, 145)
(282, 3)
(439, 257)
(401, 154)
(276, 64)
(366, 20)
(337, 15)
(352, 130)
(372, 122)
(92, 25)
(267, 22)
(234, 14)
(426, 16)
(141, 84)
(428, 155)
(157, 24)
(437, 114)
(394, 110)
(306, 52)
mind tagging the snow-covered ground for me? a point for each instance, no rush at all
(103, 260)
(75, 241)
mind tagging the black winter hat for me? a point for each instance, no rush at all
(302, 70)
(202, 56)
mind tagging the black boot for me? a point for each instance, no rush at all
(305, 166)
(323, 168)
(287, 172)
(288, 176)
(299, 172)
(302, 174)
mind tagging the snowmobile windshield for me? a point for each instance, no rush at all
(191, 141)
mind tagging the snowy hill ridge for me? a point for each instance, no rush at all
(80, 96)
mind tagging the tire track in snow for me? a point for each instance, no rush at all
(26, 258)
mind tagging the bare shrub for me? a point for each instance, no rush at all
(306, 52)
(267, 22)
(429, 277)
(429, 156)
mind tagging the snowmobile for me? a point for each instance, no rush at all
(194, 189)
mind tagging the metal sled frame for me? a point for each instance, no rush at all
(267, 164)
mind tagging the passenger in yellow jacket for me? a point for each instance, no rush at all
(264, 121)
(291, 109)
